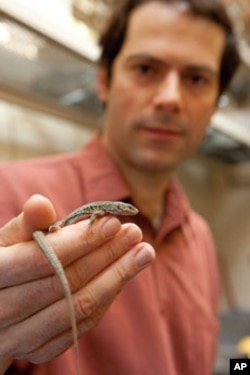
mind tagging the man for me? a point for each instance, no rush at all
(163, 66)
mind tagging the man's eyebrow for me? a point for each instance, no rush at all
(148, 58)
(203, 68)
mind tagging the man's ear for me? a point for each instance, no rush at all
(102, 84)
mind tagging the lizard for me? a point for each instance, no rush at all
(93, 211)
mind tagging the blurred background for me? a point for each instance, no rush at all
(48, 104)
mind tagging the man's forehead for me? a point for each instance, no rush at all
(163, 29)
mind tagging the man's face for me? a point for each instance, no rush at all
(163, 89)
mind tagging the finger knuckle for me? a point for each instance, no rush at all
(85, 305)
(123, 273)
(111, 252)
(77, 276)
(9, 348)
(93, 320)
(41, 263)
(114, 248)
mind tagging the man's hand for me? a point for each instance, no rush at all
(34, 320)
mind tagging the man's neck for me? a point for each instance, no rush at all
(148, 190)
(148, 187)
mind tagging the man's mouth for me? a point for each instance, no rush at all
(162, 134)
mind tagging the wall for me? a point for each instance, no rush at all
(25, 133)
(221, 193)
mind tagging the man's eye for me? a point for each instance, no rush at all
(144, 69)
(198, 80)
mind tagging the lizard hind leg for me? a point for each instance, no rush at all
(94, 216)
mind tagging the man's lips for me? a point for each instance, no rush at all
(162, 134)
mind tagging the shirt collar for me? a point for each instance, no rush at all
(102, 180)
(176, 207)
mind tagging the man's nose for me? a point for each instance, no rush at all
(168, 95)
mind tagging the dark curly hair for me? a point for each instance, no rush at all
(112, 38)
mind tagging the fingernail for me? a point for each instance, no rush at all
(145, 256)
(133, 235)
(111, 227)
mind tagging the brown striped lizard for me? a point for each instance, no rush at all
(92, 211)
